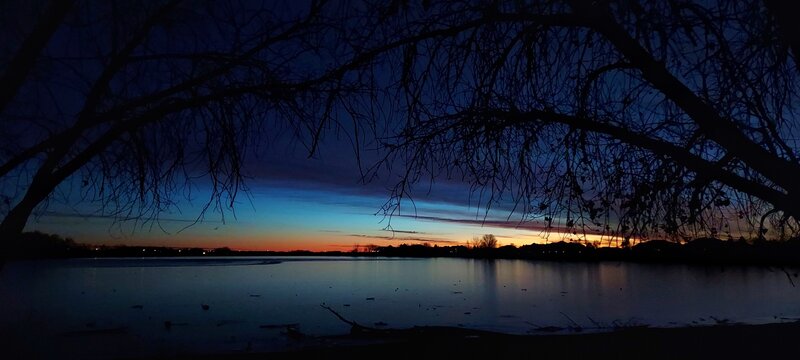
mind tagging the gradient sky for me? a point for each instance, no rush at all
(295, 202)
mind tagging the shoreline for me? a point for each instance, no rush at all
(703, 251)
(728, 341)
(735, 341)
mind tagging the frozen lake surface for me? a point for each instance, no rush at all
(96, 308)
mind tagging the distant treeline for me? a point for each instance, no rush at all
(703, 250)
(37, 245)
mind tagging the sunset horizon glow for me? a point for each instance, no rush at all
(277, 216)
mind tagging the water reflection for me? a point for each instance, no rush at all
(40, 302)
(489, 283)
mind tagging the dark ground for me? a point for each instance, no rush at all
(772, 341)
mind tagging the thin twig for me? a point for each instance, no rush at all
(349, 322)
(575, 326)
(788, 276)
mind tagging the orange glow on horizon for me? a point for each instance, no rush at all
(317, 242)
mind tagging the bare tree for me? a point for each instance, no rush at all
(668, 117)
(487, 241)
(663, 117)
(128, 103)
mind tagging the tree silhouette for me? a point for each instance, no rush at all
(131, 102)
(665, 117)
(668, 117)
(487, 241)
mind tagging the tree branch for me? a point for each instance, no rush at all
(680, 155)
(722, 131)
(25, 58)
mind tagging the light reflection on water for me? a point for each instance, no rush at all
(63, 302)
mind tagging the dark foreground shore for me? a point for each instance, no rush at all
(771, 341)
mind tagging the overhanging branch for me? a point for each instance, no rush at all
(722, 131)
(680, 155)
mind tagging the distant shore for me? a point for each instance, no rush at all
(707, 342)
(699, 251)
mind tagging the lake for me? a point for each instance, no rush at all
(96, 308)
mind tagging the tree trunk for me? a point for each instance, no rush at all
(14, 223)
(18, 68)
(11, 228)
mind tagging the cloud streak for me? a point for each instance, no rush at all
(529, 226)
(59, 214)
(404, 238)
(394, 231)
(334, 169)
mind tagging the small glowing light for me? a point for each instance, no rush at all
(204, 252)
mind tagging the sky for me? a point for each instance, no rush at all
(304, 216)
(294, 202)
(299, 203)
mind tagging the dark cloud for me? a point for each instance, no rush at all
(405, 238)
(61, 214)
(525, 225)
(404, 231)
(334, 168)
